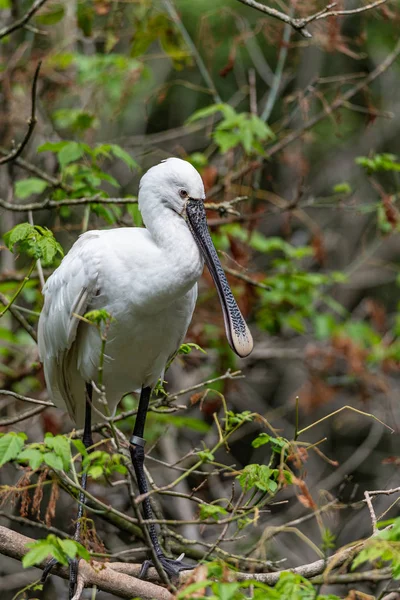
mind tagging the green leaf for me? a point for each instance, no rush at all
(10, 446)
(35, 241)
(258, 476)
(212, 511)
(53, 14)
(227, 590)
(52, 146)
(17, 234)
(206, 455)
(79, 445)
(40, 550)
(33, 456)
(61, 447)
(124, 156)
(71, 152)
(26, 187)
(99, 316)
(202, 113)
(192, 588)
(342, 188)
(52, 460)
(53, 546)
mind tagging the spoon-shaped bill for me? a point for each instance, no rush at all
(237, 332)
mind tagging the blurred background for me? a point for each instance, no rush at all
(303, 136)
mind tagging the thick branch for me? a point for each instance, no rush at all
(102, 575)
(301, 24)
(31, 122)
(23, 20)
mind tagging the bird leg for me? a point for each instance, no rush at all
(87, 441)
(136, 447)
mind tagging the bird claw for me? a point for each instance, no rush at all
(171, 566)
(73, 578)
(47, 570)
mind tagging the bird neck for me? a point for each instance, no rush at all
(183, 260)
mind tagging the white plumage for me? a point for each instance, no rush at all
(145, 278)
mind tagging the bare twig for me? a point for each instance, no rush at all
(17, 315)
(47, 203)
(23, 20)
(371, 510)
(25, 398)
(301, 24)
(31, 121)
(22, 416)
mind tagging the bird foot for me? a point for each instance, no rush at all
(171, 566)
(73, 573)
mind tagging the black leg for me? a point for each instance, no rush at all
(88, 441)
(136, 447)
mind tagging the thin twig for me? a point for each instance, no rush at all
(23, 20)
(301, 24)
(31, 121)
(25, 398)
(22, 416)
(17, 315)
(47, 203)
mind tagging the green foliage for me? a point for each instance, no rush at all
(54, 451)
(99, 317)
(75, 119)
(220, 584)
(234, 419)
(261, 477)
(342, 188)
(53, 14)
(159, 28)
(100, 463)
(384, 547)
(277, 444)
(34, 240)
(181, 422)
(62, 550)
(189, 347)
(32, 185)
(236, 129)
(378, 162)
(82, 174)
(10, 446)
(212, 511)
(205, 455)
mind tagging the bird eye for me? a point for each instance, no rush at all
(183, 193)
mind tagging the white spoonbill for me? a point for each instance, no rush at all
(147, 280)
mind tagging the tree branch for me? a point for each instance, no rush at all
(102, 575)
(301, 24)
(20, 318)
(23, 20)
(31, 122)
(47, 203)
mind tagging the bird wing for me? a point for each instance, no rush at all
(68, 294)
